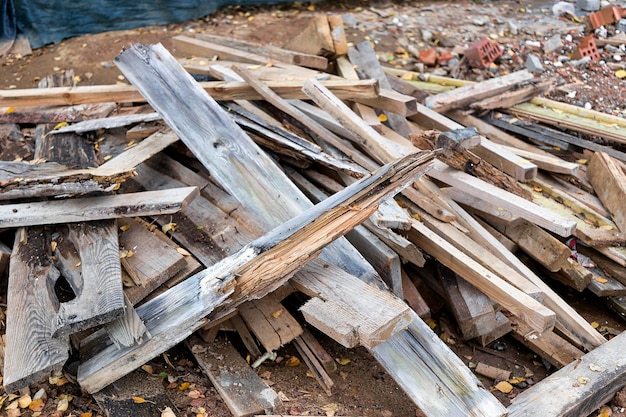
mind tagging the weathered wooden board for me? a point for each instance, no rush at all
(609, 183)
(256, 270)
(243, 391)
(579, 388)
(447, 388)
(314, 39)
(233, 159)
(96, 208)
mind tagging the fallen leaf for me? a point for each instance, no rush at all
(605, 411)
(183, 251)
(194, 394)
(594, 324)
(276, 314)
(594, 368)
(10, 110)
(292, 362)
(53, 245)
(148, 368)
(37, 405)
(601, 280)
(517, 380)
(87, 414)
(141, 400)
(24, 401)
(14, 412)
(124, 227)
(63, 404)
(61, 125)
(183, 386)
(170, 227)
(504, 387)
(382, 117)
(620, 74)
(583, 380)
(343, 361)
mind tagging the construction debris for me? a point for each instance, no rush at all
(415, 199)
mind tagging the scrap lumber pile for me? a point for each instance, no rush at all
(171, 208)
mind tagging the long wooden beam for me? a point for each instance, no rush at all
(219, 90)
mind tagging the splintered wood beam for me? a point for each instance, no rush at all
(256, 270)
(464, 96)
(96, 208)
(447, 387)
(24, 179)
(233, 159)
(63, 96)
(579, 388)
(609, 183)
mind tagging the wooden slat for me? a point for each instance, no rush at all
(314, 39)
(96, 208)
(346, 89)
(609, 183)
(579, 388)
(243, 391)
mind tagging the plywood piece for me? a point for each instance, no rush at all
(243, 391)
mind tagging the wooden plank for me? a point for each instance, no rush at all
(520, 94)
(244, 334)
(31, 354)
(522, 305)
(272, 52)
(366, 60)
(538, 244)
(107, 123)
(128, 329)
(368, 316)
(243, 391)
(151, 262)
(315, 39)
(256, 270)
(546, 163)
(5, 257)
(413, 298)
(345, 89)
(407, 251)
(315, 367)
(472, 309)
(318, 350)
(579, 388)
(54, 114)
(96, 208)
(272, 324)
(448, 388)
(506, 160)
(463, 96)
(235, 162)
(337, 32)
(609, 183)
(52, 179)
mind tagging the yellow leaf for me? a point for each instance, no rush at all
(124, 227)
(516, 380)
(382, 117)
(184, 386)
(37, 405)
(583, 380)
(63, 404)
(24, 401)
(605, 411)
(601, 280)
(170, 227)
(292, 362)
(53, 245)
(311, 8)
(504, 387)
(87, 414)
(581, 161)
(276, 314)
(343, 361)
(620, 74)
(10, 110)
(148, 369)
(106, 158)
(194, 394)
(594, 324)
(61, 125)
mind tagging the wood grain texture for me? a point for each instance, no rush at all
(579, 388)
(237, 164)
(31, 320)
(609, 183)
(96, 208)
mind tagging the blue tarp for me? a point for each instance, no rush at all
(50, 21)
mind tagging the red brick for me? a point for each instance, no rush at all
(605, 16)
(444, 57)
(482, 53)
(587, 47)
(428, 57)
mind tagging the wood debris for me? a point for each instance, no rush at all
(433, 197)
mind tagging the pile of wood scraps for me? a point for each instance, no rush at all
(169, 209)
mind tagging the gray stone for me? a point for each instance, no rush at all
(533, 64)
(588, 5)
(553, 44)
(621, 25)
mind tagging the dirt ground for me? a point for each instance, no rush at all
(362, 387)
